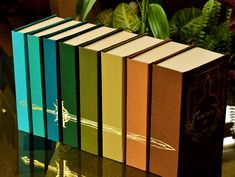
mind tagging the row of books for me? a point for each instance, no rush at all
(154, 104)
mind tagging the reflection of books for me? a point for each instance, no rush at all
(230, 118)
(57, 170)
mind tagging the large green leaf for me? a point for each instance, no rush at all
(105, 17)
(83, 8)
(184, 24)
(88, 4)
(125, 18)
(79, 7)
(158, 21)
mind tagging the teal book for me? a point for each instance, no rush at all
(52, 78)
(90, 90)
(21, 70)
(36, 75)
(69, 73)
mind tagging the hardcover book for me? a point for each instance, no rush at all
(113, 76)
(188, 114)
(90, 90)
(36, 75)
(69, 72)
(139, 100)
(52, 79)
(21, 70)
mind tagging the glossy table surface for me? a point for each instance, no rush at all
(23, 155)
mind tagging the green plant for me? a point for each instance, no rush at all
(206, 28)
(83, 8)
(150, 18)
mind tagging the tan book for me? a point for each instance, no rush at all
(139, 100)
(113, 76)
(188, 112)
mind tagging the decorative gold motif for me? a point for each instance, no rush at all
(65, 173)
(67, 117)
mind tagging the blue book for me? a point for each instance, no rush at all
(21, 70)
(52, 79)
(36, 73)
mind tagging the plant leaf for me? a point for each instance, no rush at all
(125, 18)
(79, 6)
(158, 21)
(88, 4)
(105, 17)
(184, 24)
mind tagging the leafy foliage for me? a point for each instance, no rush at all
(105, 17)
(184, 24)
(152, 18)
(206, 28)
(124, 17)
(83, 8)
(158, 21)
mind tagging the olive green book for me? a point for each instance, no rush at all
(90, 90)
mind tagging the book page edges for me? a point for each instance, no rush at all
(41, 24)
(190, 59)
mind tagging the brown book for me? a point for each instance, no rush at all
(138, 100)
(188, 114)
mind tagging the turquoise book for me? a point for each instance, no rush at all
(69, 82)
(36, 75)
(21, 70)
(52, 78)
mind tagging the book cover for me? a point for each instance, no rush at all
(139, 100)
(69, 73)
(113, 76)
(90, 90)
(21, 70)
(36, 75)
(52, 79)
(188, 112)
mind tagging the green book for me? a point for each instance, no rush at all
(36, 74)
(69, 72)
(52, 78)
(90, 90)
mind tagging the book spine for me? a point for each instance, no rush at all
(36, 85)
(69, 98)
(22, 89)
(89, 70)
(165, 121)
(137, 113)
(51, 89)
(113, 107)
